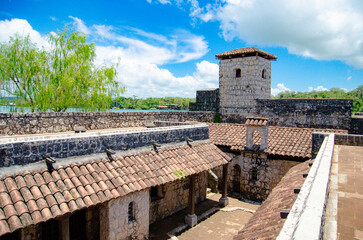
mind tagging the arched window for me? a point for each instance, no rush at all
(131, 212)
(238, 73)
(264, 73)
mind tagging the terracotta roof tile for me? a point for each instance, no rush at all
(37, 217)
(32, 197)
(46, 213)
(26, 219)
(4, 227)
(56, 211)
(282, 141)
(25, 195)
(20, 181)
(14, 223)
(266, 222)
(2, 186)
(245, 51)
(5, 199)
(32, 206)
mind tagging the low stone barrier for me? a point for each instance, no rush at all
(48, 122)
(305, 220)
(349, 139)
(25, 150)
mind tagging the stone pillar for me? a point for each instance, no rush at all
(64, 229)
(223, 201)
(191, 218)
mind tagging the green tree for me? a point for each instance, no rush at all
(22, 70)
(63, 77)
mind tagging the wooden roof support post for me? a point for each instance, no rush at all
(223, 201)
(64, 229)
(191, 218)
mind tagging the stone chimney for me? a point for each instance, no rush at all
(261, 125)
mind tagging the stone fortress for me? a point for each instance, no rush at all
(245, 90)
(130, 170)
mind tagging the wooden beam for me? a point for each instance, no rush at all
(191, 207)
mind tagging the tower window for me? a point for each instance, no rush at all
(264, 73)
(131, 212)
(238, 73)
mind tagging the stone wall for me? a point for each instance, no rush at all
(315, 113)
(206, 100)
(356, 124)
(21, 151)
(114, 222)
(269, 173)
(46, 122)
(348, 139)
(173, 197)
(311, 113)
(241, 91)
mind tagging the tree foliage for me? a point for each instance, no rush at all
(59, 78)
(334, 93)
(150, 103)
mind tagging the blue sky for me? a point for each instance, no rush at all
(168, 47)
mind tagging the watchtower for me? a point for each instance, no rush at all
(244, 75)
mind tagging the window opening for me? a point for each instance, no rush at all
(254, 174)
(238, 73)
(264, 73)
(154, 194)
(131, 212)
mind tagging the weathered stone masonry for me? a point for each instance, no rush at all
(245, 90)
(173, 197)
(46, 122)
(32, 149)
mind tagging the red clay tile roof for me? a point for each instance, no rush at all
(256, 121)
(33, 197)
(282, 141)
(266, 222)
(245, 51)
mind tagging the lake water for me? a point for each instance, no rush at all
(7, 109)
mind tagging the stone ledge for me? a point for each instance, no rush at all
(305, 219)
(22, 151)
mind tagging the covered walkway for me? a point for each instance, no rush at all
(222, 223)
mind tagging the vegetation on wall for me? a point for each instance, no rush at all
(57, 78)
(151, 103)
(334, 93)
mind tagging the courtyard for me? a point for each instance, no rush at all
(213, 222)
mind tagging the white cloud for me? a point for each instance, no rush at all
(53, 18)
(349, 78)
(146, 79)
(80, 26)
(323, 30)
(280, 88)
(181, 46)
(318, 88)
(9, 28)
(140, 57)
(160, 1)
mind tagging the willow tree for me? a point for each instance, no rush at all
(62, 77)
(22, 71)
